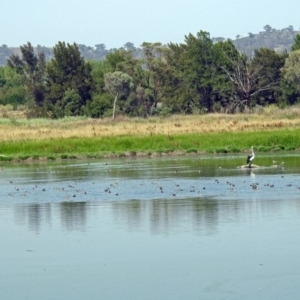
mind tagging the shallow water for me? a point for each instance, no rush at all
(151, 228)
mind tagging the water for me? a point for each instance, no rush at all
(154, 228)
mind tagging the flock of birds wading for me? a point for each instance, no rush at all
(249, 166)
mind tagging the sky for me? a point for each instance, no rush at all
(116, 22)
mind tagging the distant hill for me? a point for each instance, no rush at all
(278, 40)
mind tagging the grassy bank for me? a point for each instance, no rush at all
(270, 130)
(76, 147)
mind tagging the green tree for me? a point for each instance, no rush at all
(296, 45)
(32, 69)
(202, 68)
(291, 77)
(73, 104)
(118, 84)
(113, 59)
(182, 99)
(268, 64)
(98, 69)
(199, 73)
(158, 81)
(12, 90)
(100, 105)
(68, 71)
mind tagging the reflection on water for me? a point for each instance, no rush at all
(33, 215)
(72, 215)
(163, 228)
(161, 216)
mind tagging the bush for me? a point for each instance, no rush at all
(99, 105)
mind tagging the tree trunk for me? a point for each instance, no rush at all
(114, 107)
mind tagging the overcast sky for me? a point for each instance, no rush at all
(116, 22)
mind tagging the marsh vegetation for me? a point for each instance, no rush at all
(272, 129)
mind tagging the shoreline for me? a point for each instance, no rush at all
(65, 157)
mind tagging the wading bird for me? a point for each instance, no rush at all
(250, 158)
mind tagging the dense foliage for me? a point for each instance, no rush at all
(198, 76)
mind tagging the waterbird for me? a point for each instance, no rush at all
(254, 186)
(250, 157)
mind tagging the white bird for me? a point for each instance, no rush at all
(250, 158)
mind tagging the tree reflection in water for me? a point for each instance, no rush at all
(166, 216)
(73, 215)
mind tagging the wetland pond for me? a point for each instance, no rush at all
(192, 227)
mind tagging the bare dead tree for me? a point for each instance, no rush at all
(246, 78)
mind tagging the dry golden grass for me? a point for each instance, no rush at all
(16, 129)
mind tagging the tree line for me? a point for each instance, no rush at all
(199, 75)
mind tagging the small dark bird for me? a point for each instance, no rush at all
(250, 157)
(254, 186)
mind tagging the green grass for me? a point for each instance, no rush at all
(23, 157)
(6, 158)
(71, 148)
(191, 150)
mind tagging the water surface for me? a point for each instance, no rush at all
(151, 228)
